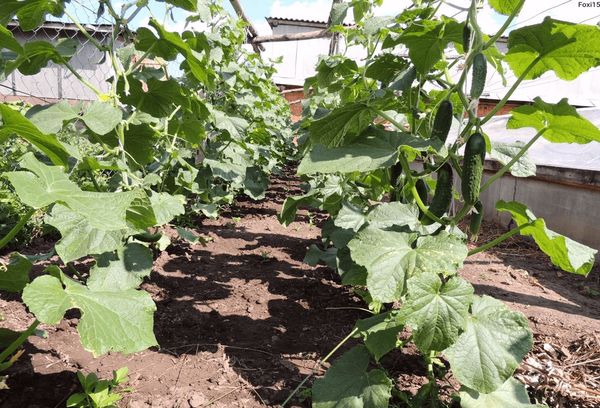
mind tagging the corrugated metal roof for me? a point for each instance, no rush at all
(275, 21)
(294, 20)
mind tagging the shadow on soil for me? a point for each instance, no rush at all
(292, 317)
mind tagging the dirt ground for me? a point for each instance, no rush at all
(242, 320)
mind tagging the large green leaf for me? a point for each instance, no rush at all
(44, 185)
(37, 54)
(391, 259)
(31, 13)
(386, 215)
(168, 44)
(347, 384)
(492, 346)
(50, 118)
(13, 123)
(155, 97)
(101, 117)
(375, 148)
(350, 217)
(383, 254)
(15, 275)
(167, 206)
(505, 7)
(342, 125)
(436, 310)
(562, 122)
(426, 41)
(505, 152)
(121, 270)
(78, 237)
(442, 253)
(380, 332)
(568, 49)
(111, 320)
(8, 40)
(234, 125)
(511, 394)
(569, 255)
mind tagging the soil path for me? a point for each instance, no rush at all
(242, 320)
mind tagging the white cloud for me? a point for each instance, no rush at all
(302, 9)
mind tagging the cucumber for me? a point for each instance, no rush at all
(473, 168)
(423, 190)
(148, 237)
(440, 203)
(395, 173)
(479, 75)
(442, 121)
(466, 37)
(476, 219)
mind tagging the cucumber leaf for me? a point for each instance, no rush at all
(511, 394)
(390, 258)
(348, 384)
(122, 269)
(15, 123)
(342, 125)
(569, 255)
(563, 123)
(15, 275)
(436, 310)
(111, 320)
(568, 49)
(493, 344)
(380, 332)
(505, 7)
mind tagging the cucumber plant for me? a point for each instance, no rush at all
(180, 136)
(370, 134)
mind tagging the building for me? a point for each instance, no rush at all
(54, 82)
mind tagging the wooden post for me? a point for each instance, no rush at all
(253, 33)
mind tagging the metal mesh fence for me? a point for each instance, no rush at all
(55, 82)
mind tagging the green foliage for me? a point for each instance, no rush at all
(568, 49)
(106, 175)
(373, 134)
(565, 253)
(348, 384)
(99, 393)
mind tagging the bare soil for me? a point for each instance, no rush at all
(242, 320)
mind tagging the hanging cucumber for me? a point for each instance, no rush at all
(442, 121)
(476, 218)
(473, 168)
(422, 190)
(440, 203)
(466, 37)
(479, 75)
(395, 173)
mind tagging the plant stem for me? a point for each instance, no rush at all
(19, 341)
(512, 89)
(507, 167)
(509, 20)
(319, 364)
(85, 32)
(498, 240)
(81, 79)
(18, 227)
(415, 193)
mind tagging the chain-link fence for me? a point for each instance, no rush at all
(55, 82)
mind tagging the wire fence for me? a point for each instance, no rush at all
(54, 82)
